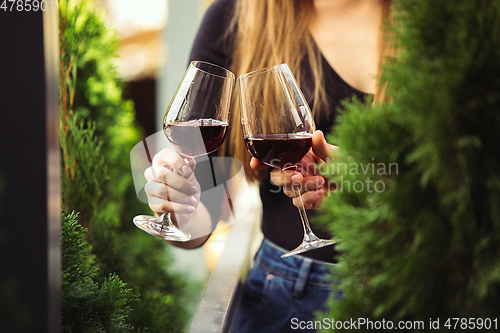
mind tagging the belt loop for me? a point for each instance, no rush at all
(301, 282)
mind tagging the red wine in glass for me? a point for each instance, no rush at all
(281, 151)
(277, 127)
(195, 122)
(196, 137)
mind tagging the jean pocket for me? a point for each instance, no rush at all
(257, 282)
(253, 300)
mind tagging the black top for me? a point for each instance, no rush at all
(280, 221)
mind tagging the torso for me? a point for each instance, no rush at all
(344, 77)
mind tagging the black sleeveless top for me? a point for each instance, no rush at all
(280, 220)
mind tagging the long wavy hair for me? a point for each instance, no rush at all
(271, 32)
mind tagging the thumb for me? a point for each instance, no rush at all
(320, 147)
(256, 164)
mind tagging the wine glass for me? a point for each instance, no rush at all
(195, 123)
(277, 129)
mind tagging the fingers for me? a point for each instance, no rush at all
(294, 183)
(161, 205)
(172, 186)
(308, 184)
(157, 192)
(303, 183)
(320, 147)
(296, 186)
(169, 159)
(180, 214)
(281, 178)
(257, 164)
(172, 179)
(311, 200)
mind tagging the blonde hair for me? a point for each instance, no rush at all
(387, 50)
(268, 33)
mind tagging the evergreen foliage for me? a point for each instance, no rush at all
(85, 168)
(86, 305)
(97, 135)
(423, 242)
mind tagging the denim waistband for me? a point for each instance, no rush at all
(301, 269)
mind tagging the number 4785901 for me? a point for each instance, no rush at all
(26, 5)
(471, 323)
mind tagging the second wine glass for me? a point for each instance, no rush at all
(195, 123)
(277, 128)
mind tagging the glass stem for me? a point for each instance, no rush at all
(309, 236)
(165, 220)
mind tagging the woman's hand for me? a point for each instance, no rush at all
(305, 180)
(172, 186)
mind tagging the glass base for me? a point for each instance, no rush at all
(161, 227)
(308, 246)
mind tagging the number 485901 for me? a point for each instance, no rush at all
(26, 5)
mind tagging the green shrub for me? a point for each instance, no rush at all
(86, 305)
(427, 244)
(98, 131)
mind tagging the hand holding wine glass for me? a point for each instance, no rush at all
(278, 129)
(172, 186)
(195, 124)
(313, 187)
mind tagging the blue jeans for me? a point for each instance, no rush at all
(279, 293)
